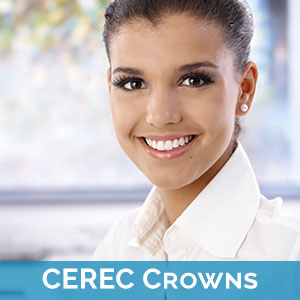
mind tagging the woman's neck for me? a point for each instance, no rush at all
(176, 201)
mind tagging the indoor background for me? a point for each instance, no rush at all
(63, 177)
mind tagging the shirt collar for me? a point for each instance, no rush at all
(218, 219)
(150, 225)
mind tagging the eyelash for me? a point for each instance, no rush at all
(197, 75)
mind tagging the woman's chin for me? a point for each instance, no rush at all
(170, 182)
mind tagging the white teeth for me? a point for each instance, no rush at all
(160, 146)
(169, 145)
(181, 141)
(175, 144)
(149, 142)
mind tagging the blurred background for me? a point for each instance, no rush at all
(63, 177)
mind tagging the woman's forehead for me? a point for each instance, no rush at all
(179, 39)
(170, 26)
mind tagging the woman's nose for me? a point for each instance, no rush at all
(163, 109)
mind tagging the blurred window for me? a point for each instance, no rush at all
(56, 130)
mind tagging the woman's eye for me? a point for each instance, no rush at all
(196, 80)
(128, 83)
(134, 85)
(193, 81)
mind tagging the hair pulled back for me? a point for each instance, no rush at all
(234, 17)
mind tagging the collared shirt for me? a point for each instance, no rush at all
(228, 220)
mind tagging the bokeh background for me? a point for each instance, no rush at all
(63, 177)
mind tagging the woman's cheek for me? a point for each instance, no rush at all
(116, 109)
(216, 118)
(125, 117)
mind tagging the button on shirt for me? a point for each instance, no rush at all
(228, 220)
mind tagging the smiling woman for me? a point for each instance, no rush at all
(179, 80)
(176, 97)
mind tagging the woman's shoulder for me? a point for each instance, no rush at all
(271, 211)
(120, 234)
(275, 230)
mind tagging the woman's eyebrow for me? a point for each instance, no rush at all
(196, 65)
(184, 68)
(130, 71)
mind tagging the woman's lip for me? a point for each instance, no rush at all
(167, 154)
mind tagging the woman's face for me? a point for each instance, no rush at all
(173, 96)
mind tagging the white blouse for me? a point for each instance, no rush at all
(228, 220)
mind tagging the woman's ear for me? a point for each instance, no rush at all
(108, 77)
(247, 89)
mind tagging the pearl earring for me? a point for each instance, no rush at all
(244, 107)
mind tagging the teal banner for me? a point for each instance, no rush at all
(149, 280)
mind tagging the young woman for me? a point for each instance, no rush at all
(179, 81)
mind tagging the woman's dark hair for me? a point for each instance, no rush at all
(233, 16)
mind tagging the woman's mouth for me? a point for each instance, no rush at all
(169, 144)
(167, 147)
